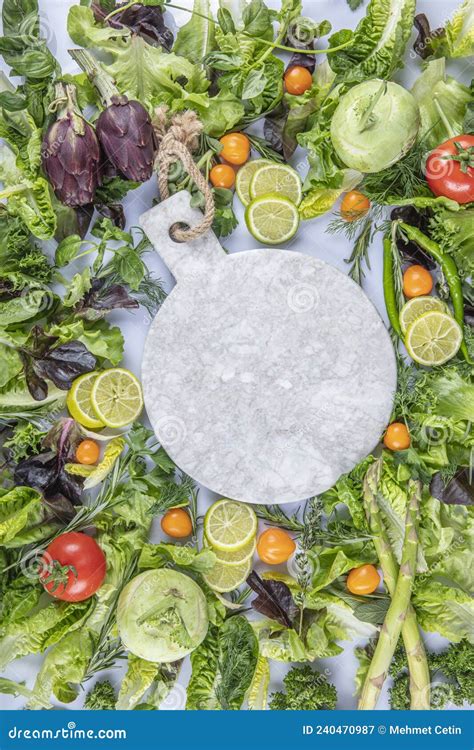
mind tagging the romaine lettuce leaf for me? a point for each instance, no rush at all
(20, 508)
(160, 555)
(139, 677)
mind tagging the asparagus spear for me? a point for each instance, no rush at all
(414, 647)
(397, 612)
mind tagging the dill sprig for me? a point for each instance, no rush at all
(404, 179)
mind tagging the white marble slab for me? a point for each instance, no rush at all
(267, 373)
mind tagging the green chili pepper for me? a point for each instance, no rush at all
(389, 288)
(450, 271)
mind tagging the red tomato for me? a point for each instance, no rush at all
(298, 80)
(417, 282)
(73, 567)
(450, 169)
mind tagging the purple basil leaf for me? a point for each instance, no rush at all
(65, 363)
(37, 386)
(60, 508)
(274, 600)
(39, 471)
(423, 43)
(458, 491)
(114, 212)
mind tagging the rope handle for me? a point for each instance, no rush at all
(177, 138)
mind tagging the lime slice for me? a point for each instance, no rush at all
(223, 577)
(433, 339)
(272, 219)
(417, 307)
(229, 526)
(79, 402)
(117, 397)
(244, 177)
(277, 178)
(234, 558)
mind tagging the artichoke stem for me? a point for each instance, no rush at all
(104, 83)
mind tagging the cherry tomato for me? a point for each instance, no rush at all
(275, 546)
(73, 567)
(354, 205)
(87, 452)
(397, 437)
(417, 282)
(235, 148)
(363, 580)
(450, 169)
(298, 80)
(177, 523)
(223, 176)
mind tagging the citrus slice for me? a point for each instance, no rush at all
(238, 556)
(224, 578)
(79, 404)
(417, 307)
(244, 177)
(277, 178)
(433, 339)
(117, 397)
(229, 526)
(272, 219)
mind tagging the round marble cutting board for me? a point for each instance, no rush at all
(266, 374)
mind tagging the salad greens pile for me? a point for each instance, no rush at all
(384, 556)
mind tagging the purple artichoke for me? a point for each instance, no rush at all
(71, 153)
(126, 134)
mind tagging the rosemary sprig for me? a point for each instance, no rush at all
(262, 147)
(276, 516)
(174, 494)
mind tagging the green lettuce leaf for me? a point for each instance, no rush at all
(138, 679)
(160, 555)
(442, 101)
(458, 40)
(63, 670)
(331, 562)
(200, 692)
(100, 338)
(195, 40)
(258, 691)
(378, 43)
(19, 309)
(454, 232)
(11, 364)
(445, 610)
(21, 507)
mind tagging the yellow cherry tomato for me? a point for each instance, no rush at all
(363, 580)
(298, 80)
(87, 452)
(397, 437)
(275, 546)
(177, 523)
(417, 282)
(222, 176)
(235, 148)
(354, 205)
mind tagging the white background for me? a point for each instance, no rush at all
(311, 240)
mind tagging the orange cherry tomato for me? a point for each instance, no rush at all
(397, 437)
(222, 176)
(417, 282)
(298, 80)
(354, 205)
(235, 148)
(87, 452)
(363, 580)
(177, 523)
(275, 546)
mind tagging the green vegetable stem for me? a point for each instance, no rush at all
(414, 648)
(397, 612)
(450, 271)
(389, 288)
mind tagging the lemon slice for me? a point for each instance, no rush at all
(117, 397)
(244, 178)
(433, 339)
(224, 578)
(272, 219)
(417, 307)
(277, 178)
(238, 556)
(229, 526)
(79, 404)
